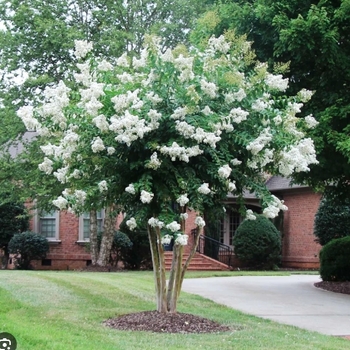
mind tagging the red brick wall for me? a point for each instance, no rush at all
(299, 248)
(67, 253)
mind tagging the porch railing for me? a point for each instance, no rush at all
(214, 249)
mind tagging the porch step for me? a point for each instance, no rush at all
(199, 262)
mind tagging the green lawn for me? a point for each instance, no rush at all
(65, 310)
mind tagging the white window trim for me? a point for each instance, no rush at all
(57, 225)
(81, 238)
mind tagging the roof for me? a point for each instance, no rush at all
(279, 183)
(17, 146)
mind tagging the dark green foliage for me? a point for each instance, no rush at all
(28, 246)
(139, 256)
(257, 243)
(13, 219)
(334, 260)
(332, 220)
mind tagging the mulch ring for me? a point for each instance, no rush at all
(154, 321)
(336, 287)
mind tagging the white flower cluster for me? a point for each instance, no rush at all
(82, 48)
(297, 158)
(181, 239)
(232, 186)
(101, 122)
(235, 161)
(131, 223)
(274, 207)
(61, 174)
(97, 145)
(311, 122)
(184, 65)
(249, 215)
(154, 222)
(237, 115)
(166, 239)
(235, 96)
(199, 221)
(130, 189)
(204, 188)
(209, 89)
(154, 163)
(276, 82)
(179, 113)
(182, 200)
(146, 197)
(218, 45)
(184, 216)
(46, 166)
(61, 203)
(224, 171)
(80, 197)
(110, 150)
(260, 142)
(305, 95)
(198, 134)
(26, 113)
(173, 226)
(102, 185)
(129, 128)
(182, 153)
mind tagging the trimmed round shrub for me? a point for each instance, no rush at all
(335, 260)
(28, 246)
(257, 243)
(332, 220)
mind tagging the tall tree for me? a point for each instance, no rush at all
(36, 50)
(312, 37)
(169, 131)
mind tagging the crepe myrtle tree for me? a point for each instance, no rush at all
(169, 132)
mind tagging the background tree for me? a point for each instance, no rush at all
(312, 38)
(13, 219)
(168, 131)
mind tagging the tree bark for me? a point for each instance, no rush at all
(94, 251)
(157, 271)
(107, 238)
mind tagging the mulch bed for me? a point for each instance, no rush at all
(154, 321)
(336, 287)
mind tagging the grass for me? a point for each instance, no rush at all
(48, 310)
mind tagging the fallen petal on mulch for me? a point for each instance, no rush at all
(154, 321)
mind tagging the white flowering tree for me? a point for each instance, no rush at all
(167, 132)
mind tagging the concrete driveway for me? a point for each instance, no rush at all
(291, 300)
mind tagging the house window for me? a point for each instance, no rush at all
(47, 224)
(84, 225)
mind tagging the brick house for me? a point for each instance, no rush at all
(68, 234)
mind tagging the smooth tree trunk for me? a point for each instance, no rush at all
(94, 251)
(107, 238)
(167, 294)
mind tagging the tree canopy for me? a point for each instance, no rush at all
(312, 38)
